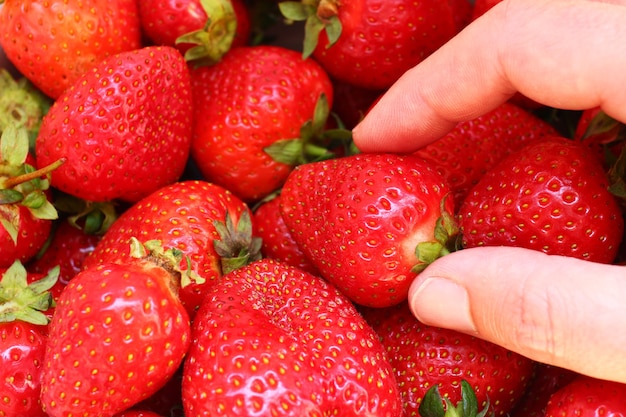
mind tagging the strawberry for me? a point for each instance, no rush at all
(369, 222)
(53, 42)
(550, 196)
(118, 334)
(271, 339)
(23, 330)
(207, 223)
(425, 356)
(546, 380)
(370, 43)
(137, 413)
(124, 127)
(277, 242)
(588, 397)
(473, 147)
(26, 214)
(256, 99)
(187, 26)
(67, 248)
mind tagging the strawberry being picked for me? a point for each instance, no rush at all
(53, 42)
(370, 222)
(551, 196)
(425, 356)
(250, 112)
(371, 43)
(118, 334)
(124, 127)
(272, 340)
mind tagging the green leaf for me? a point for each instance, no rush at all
(10, 225)
(10, 196)
(236, 246)
(45, 211)
(333, 30)
(295, 10)
(312, 29)
(14, 144)
(21, 301)
(432, 404)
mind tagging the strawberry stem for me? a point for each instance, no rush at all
(29, 176)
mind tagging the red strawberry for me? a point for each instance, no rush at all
(53, 42)
(67, 248)
(550, 196)
(277, 242)
(23, 321)
(255, 97)
(424, 356)
(191, 216)
(186, 24)
(271, 339)
(370, 43)
(124, 127)
(360, 219)
(588, 397)
(546, 380)
(118, 334)
(467, 152)
(26, 214)
(138, 413)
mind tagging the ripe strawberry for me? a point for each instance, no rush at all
(424, 356)
(588, 397)
(369, 222)
(118, 334)
(23, 333)
(271, 339)
(124, 127)
(138, 413)
(370, 43)
(194, 217)
(254, 98)
(550, 196)
(277, 242)
(26, 214)
(467, 152)
(53, 42)
(186, 25)
(546, 380)
(67, 248)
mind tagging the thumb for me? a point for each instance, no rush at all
(556, 310)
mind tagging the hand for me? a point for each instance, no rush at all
(567, 54)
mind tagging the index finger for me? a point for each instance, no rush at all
(567, 54)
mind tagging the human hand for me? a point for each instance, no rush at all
(566, 54)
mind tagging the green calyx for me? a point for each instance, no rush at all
(315, 143)
(21, 104)
(318, 15)
(446, 240)
(91, 217)
(236, 246)
(20, 300)
(20, 183)
(172, 260)
(432, 404)
(215, 38)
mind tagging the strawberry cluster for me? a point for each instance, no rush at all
(187, 229)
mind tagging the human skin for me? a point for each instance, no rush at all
(567, 54)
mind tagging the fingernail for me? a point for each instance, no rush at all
(444, 303)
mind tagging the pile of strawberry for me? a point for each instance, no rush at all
(187, 229)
